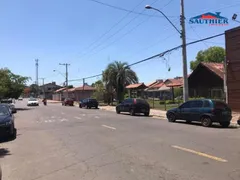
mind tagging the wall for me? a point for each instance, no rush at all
(233, 67)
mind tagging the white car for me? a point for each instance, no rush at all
(32, 102)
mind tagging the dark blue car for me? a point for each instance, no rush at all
(205, 111)
(7, 128)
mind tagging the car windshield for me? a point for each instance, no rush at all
(220, 105)
(141, 101)
(8, 101)
(3, 111)
(32, 99)
(93, 100)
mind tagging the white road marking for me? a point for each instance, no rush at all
(109, 127)
(77, 117)
(52, 117)
(64, 120)
(96, 117)
(62, 113)
(83, 114)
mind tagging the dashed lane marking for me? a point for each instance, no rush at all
(96, 117)
(109, 127)
(77, 117)
(200, 154)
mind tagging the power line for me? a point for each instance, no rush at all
(120, 29)
(123, 9)
(157, 55)
(104, 34)
(198, 36)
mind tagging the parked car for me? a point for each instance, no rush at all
(206, 111)
(20, 98)
(7, 128)
(68, 102)
(32, 102)
(9, 103)
(88, 103)
(133, 106)
(11, 107)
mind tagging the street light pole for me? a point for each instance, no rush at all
(184, 49)
(66, 65)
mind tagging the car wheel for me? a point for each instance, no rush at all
(188, 121)
(171, 117)
(117, 111)
(206, 121)
(13, 134)
(132, 113)
(96, 107)
(80, 106)
(224, 124)
(146, 114)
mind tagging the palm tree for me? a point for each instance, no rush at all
(117, 76)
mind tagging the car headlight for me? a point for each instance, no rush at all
(8, 123)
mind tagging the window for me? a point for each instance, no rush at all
(196, 104)
(127, 101)
(185, 105)
(206, 104)
(220, 105)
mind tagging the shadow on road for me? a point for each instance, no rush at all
(136, 115)
(23, 109)
(4, 152)
(218, 126)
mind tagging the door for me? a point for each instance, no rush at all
(185, 111)
(195, 109)
(127, 104)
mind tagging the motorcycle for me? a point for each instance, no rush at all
(44, 102)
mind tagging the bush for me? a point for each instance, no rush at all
(194, 98)
(170, 102)
(161, 102)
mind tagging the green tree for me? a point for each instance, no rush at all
(212, 54)
(117, 76)
(34, 88)
(100, 90)
(12, 85)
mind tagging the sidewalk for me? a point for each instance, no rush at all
(153, 112)
(162, 114)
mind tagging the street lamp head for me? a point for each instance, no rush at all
(148, 7)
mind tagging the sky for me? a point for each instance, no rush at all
(90, 35)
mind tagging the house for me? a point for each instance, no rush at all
(79, 93)
(58, 94)
(232, 37)
(136, 90)
(207, 81)
(47, 90)
(164, 89)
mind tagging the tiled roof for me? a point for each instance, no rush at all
(158, 85)
(132, 86)
(69, 90)
(85, 88)
(150, 84)
(217, 68)
(175, 82)
(60, 90)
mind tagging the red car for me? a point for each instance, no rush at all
(68, 102)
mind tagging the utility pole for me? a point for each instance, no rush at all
(184, 53)
(83, 86)
(66, 66)
(43, 86)
(36, 64)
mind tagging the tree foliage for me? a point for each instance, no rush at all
(12, 85)
(212, 54)
(100, 90)
(117, 76)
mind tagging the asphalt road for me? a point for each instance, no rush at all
(59, 143)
